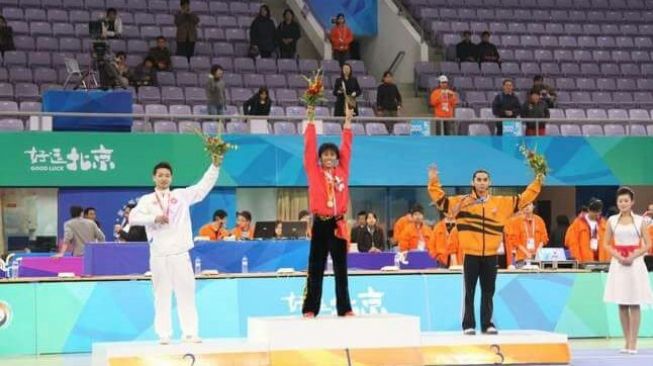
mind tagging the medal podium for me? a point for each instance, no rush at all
(384, 339)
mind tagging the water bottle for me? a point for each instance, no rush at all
(15, 267)
(244, 265)
(398, 260)
(198, 266)
(329, 263)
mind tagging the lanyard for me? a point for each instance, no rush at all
(532, 229)
(331, 190)
(166, 211)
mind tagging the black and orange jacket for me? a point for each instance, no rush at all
(479, 220)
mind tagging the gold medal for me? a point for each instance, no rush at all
(330, 204)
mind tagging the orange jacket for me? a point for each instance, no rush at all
(578, 239)
(480, 222)
(399, 226)
(443, 244)
(650, 235)
(238, 233)
(341, 37)
(411, 234)
(518, 230)
(209, 231)
(444, 102)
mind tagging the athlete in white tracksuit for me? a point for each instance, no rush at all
(166, 217)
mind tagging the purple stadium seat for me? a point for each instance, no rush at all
(286, 97)
(179, 62)
(551, 129)
(35, 15)
(15, 58)
(8, 106)
(601, 56)
(330, 66)
(367, 82)
(567, 68)
(284, 128)
(286, 66)
(605, 84)
(45, 75)
(469, 68)
(590, 69)
(275, 81)
(570, 130)
(643, 42)
(214, 34)
(611, 29)
(166, 78)
(253, 80)
(57, 15)
(235, 35)
(554, 28)
(20, 74)
(582, 55)
(185, 78)
(376, 129)
(593, 29)
(233, 80)
(156, 109)
(47, 44)
(189, 126)
(401, 129)
(150, 31)
(568, 42)
(69, 44)
(30, 107)
(586, 84)
(244, 64)
(227, 63)
(27, 91)
(610, 69)
(296, 81)
(357, 66)
(165, 127)
(40, 29)
(172, 94)
(24, 43)
(237, 127)
(621, 57)
(11, 124)
(63, 29)
(550, 68)
(307, 66)
(543, 55)
(478, 129)
(630, 70)
(596, 114)
(265, 65)
(530, 68)
(195, 95)
(592, 130)
(239, 95)
(644, 99)
(200, 63)
(537, 28)
(149, 94)
(563, 55)
(331, 128)
(625, 42)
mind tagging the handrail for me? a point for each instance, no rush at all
(395, 63)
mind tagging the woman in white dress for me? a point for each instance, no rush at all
(628, 284)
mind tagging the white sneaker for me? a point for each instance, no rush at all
(491, 331)
(164, 341)
(192, 339)
(624, 350)
(632, 351)
(469, 331)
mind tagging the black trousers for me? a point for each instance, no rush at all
(341, 56)
(323, 242)
(483, 268)
(499, 128)
(186, 49)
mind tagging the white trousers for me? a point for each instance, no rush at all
(173, 273)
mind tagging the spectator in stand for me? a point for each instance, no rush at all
(244, 229)
(487, 52)
(90, 213)
(288, 33)
(372, 239)
(547, 92)
(186, 23)
(535, 107)
(124, 73)
(259, 104)
(216, 229)
(558, 233)
(145, 74)
(346, 88)
(161, 54)
(305, 216)
(416, 234)
(466, 51)
(341, 38)
(356, 232)
(6, 37)
(111, 25)
(505, 105)
(262, 32)
(278, 230)
(388, 98)
(444, 102)
(77, 232)
(215, 92)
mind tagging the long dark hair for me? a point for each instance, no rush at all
(288, 10)
(266, 8)
(342, 71)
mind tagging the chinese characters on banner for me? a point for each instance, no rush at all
(99, 159)
(369, 302)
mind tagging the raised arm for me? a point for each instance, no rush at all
(197, 192)
(310, 144)
(347, 137)
(438, 195)
(528, 195)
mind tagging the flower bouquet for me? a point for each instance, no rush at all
(314, 94)
(537, 162)
(215, 145)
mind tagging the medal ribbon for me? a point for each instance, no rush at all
(166, 211)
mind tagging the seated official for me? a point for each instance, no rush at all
(444, 245)
(305, 216)
(278, 230)
(244, 229)
(372, 239)
(416, 234)
(126, 232)
(216, 229)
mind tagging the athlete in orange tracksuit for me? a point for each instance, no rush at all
(444, 245)
(416, 234)
(480, 218)
(525, 234)
(400, 224)
(585, 234)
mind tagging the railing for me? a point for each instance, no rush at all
(395, 63)
(436, 124)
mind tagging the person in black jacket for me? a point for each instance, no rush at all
(345, 85)
(372, 239)
(558, 233)
(125, 232)
(388, 99)
(487, 52)
(505, 105)
(466, 51)
(535, 107)
(6, 37)
(259, 104)
(262, 32)
(356, 232)
(288, 34)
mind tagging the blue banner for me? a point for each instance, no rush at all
(361, 15)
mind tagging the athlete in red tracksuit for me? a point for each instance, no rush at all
(327, 171)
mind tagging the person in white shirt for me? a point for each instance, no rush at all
(166, 217)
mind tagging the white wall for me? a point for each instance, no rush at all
(311, 31)
(395, 35)
(261, 202)
(27, 211)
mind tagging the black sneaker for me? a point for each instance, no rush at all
(490, 330)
